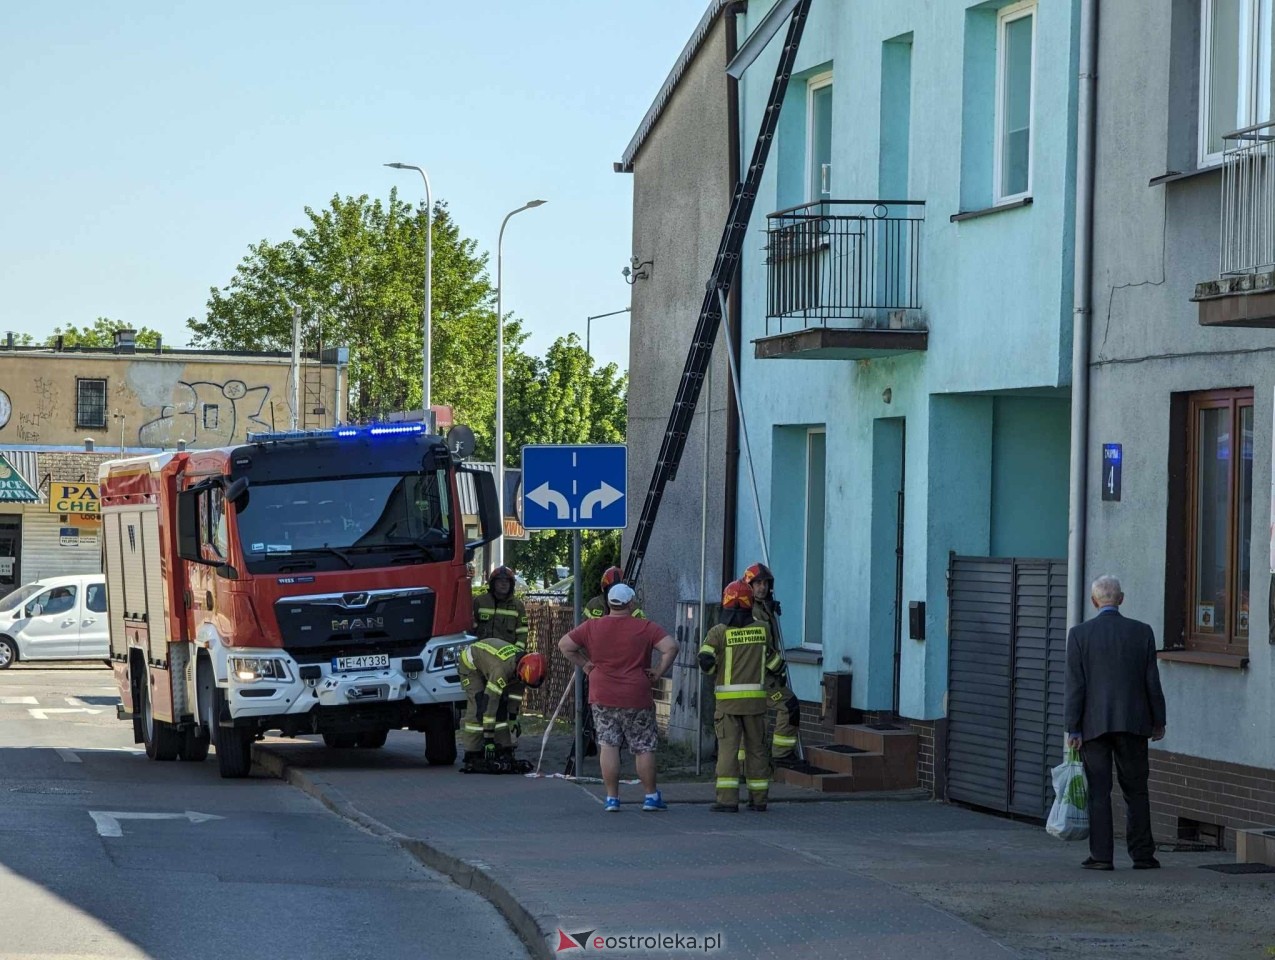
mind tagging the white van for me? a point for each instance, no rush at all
(57, 618)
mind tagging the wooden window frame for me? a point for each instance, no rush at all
(1233, 400)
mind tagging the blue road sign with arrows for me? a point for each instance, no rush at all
(575, 486)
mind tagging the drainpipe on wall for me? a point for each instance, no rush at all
(1082, 310)
(730, 499)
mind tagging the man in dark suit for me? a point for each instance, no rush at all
(1113, 705)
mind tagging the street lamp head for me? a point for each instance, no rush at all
(396, 166)
(536, 203)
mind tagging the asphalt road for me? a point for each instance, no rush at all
(219, 870)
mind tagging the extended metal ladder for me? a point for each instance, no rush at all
(725, 268)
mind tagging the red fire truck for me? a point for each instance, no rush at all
(306, 583)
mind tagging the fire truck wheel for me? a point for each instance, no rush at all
(440, 736)
(161, 740)
(372, 739)
(339, 741)
(233, 745)
(8, 653)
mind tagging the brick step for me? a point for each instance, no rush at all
(839, 758)
(898, 743)
(870, 774)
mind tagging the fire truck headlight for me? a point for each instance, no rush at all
(252, 669)
(448, 655)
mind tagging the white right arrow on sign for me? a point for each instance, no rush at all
(544, 495)
(602, 497)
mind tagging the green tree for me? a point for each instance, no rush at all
(563, 398)
(356, 272)
(100, 334)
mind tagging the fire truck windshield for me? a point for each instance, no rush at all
(346, 519)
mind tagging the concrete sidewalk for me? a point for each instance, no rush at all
(872, 879)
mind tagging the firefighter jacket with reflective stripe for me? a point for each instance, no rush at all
(501, 620)
(495, 666)
(597, 607)
(740, 658)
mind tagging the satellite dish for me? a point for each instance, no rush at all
(460, 441)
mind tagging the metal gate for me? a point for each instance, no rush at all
(1006, 653)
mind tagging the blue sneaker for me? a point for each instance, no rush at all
(612, 805)
(654, 801)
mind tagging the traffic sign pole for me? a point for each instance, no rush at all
(576, 603)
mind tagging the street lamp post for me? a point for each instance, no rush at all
(499, 552)
(588, 324)
(428, 320)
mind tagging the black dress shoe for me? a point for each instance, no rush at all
(1092, 864)
(1149, 864)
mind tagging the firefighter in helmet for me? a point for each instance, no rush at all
(739, 653)
(498, 615)
(487, 674)
(597, 607)
(779, 695)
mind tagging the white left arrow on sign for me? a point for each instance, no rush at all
(602, 497)
(544, 495)
(108, 821)
(42, 713)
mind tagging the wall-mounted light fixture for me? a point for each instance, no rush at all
(636, 271)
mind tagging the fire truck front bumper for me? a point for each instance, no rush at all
(266, 684)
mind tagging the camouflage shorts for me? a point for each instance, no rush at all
(631, 726)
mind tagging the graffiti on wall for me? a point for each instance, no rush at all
(205, 413)
(44, 394)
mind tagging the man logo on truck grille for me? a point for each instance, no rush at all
(353, 600)
(358, 623)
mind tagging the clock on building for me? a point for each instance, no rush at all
(6, 409)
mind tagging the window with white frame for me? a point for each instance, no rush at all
(1015, 83)
(1235, 70)
(819, 138)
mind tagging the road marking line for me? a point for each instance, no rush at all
(108, 821)
(68, 755)
(17, 700)
(75, 702)
(42, 713)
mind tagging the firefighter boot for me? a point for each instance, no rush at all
(508, 763)
(473, 762)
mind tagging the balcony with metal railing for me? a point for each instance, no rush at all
(1244, 293)
(843, 280)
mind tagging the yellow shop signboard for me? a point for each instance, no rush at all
(77, 499)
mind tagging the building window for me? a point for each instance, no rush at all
(819, 138)
(1219, 520)
(1235, 70)
(211, 416)
(816, 487)
(1015, 70)
(90, 404)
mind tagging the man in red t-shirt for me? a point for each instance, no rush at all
(615, 653)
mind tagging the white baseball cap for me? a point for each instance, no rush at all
(620, 595)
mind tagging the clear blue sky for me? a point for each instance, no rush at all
(147, 144)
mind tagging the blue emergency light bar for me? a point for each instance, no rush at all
(341, 433)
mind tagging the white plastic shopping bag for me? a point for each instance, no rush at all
(1069, 817)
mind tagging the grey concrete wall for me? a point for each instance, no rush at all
(681, 196)
(1152, 245)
